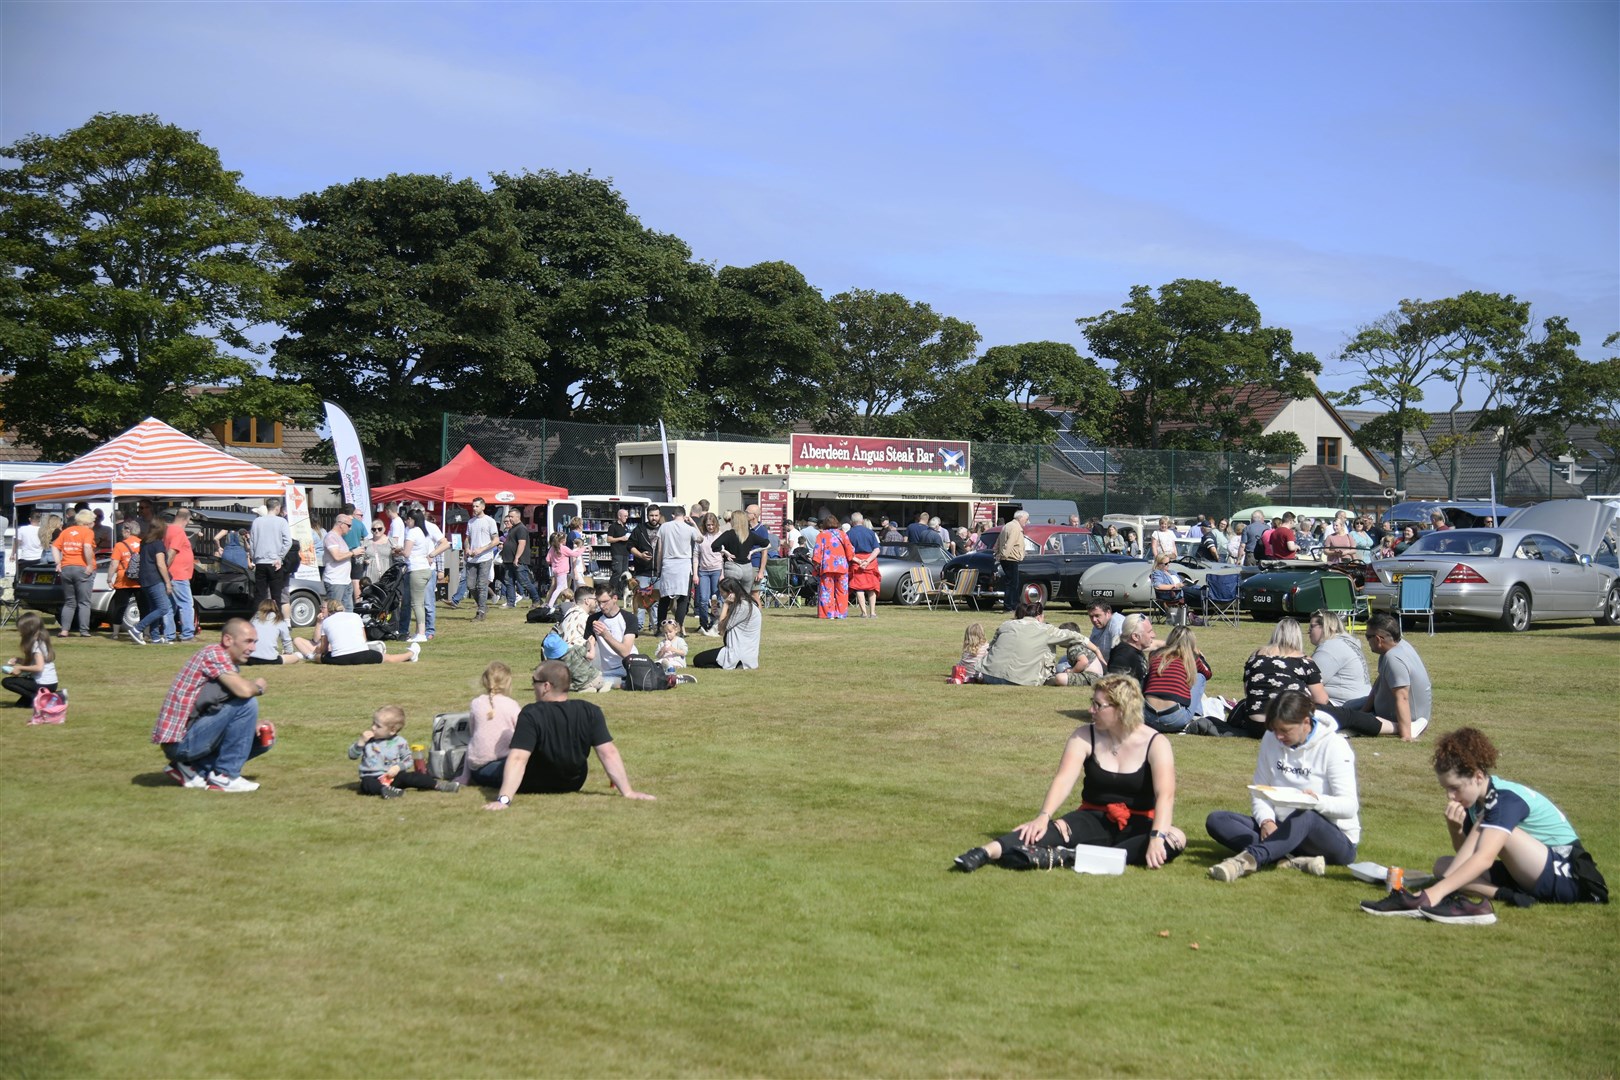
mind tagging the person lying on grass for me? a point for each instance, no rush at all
(1127, 800)
(386, 766)
(1301, 751)
(551, 745)
(1511, 844)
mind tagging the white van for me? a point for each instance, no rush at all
(597, 512)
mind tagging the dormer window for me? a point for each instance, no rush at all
(258, 431)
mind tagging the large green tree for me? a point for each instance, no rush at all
(1002, 398)
(1187, 363)
(768, 355)
(1421, 345)
(892, 354)
(133, 270)
(414, 304)
(620, 308)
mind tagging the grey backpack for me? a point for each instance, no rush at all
(451, 734)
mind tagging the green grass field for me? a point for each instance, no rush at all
(784, 908)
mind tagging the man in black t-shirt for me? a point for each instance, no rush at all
(517, 581)
(552, 743)
(618, 536)
(642, 541)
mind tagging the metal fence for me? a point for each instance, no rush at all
(1102, 481)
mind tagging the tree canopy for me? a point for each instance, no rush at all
(133, 271)
(891, 353)
(1187, 363)
(768, 352)
(413, 304)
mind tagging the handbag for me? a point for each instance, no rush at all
(50, 707)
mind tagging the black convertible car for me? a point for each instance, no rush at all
(1055, 575)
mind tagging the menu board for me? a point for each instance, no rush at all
(773, 511)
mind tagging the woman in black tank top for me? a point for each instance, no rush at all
(1127, 797)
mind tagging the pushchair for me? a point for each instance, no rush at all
(379, 600)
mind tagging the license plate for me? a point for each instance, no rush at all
(37, 577)
(1260, 598)
(1109, 593)
(1394, 579)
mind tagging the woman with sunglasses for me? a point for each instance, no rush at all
(1127, 799)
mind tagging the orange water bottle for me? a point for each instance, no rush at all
(1395, 878)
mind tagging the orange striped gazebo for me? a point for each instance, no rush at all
(152, 460)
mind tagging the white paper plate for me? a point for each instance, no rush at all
(1281, 796)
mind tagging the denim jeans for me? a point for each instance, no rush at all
(222, 741)
(157, 600)
(343, 594)
(76, 585)
(708, 586)
(519, 580)
(430, 600)
(184, 614)
(488, 774)
(475, 579)
(1304, 832)
(1171, 723)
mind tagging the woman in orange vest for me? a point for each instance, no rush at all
(125, 572)
(76, 556)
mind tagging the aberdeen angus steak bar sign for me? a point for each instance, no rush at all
(854, 454)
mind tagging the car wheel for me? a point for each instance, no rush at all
(1516, 609)
(1034, 590)
(905, 591)
(1611, 607)
(302, 609)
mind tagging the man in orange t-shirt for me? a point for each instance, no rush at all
(76, 556)
(181, 565)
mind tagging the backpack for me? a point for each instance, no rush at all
(641, 673)
(451, 734)
(50, 707)
(543, 615)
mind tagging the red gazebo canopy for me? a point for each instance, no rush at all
(467, 477)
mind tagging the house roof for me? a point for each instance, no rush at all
(1448, 450)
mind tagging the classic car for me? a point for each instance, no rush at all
(1546, 562)
(897, 564)
(219, 590)
(1054, 574)
(1290, 588)
(1125, 585)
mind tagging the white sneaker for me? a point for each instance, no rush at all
(1419, 726)
(416, 652)
(419, 639)
(217, 782)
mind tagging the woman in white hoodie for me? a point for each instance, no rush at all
(1303, 752)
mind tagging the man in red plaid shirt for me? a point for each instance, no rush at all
(209, 719)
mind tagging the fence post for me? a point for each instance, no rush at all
(542, 449)
(1291, 465)
(1172, 483)
(1105, 481)
(1038, 456)
(444, 438)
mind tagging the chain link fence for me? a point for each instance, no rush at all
(1101, 481)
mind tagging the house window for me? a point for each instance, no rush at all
(252, 431)
(1328, 452)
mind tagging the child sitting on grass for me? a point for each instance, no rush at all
(584, 677)
(974, 646)
(671, 652)
(35, 669)
(385, 758)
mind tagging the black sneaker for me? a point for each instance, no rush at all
(969, 861)
(1516, 897)
(1461, 910)
(1402, 904)
(447, 786)
(389, 791)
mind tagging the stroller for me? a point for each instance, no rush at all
(378, 602)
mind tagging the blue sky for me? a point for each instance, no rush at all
(1013, 165)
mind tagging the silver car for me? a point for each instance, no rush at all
(1544, 563)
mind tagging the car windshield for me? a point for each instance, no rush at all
(1475, 542)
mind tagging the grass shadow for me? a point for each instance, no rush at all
(154, 779)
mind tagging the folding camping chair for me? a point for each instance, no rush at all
(1339, 596)
(1222, 601)
(10, 607)
(1416, 598)
(1170, 606)
(962, 590)
(927, 589)
(776, 590)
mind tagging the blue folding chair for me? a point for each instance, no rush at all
(1416, 598)
(1222, 601)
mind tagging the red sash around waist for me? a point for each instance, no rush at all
(1117, 813)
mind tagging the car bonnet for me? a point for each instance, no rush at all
(1581, 523)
